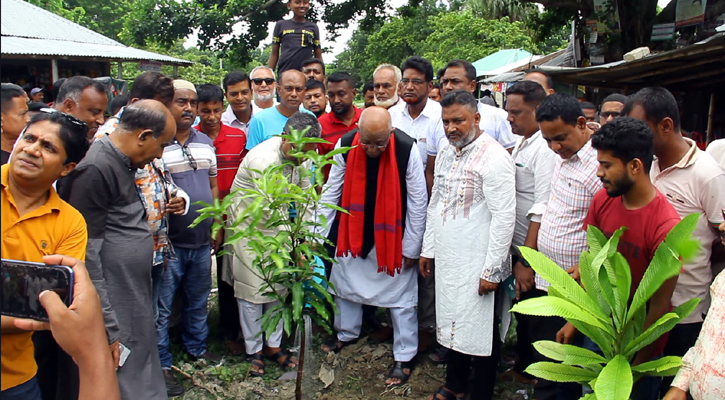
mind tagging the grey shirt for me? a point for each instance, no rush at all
(119, 260)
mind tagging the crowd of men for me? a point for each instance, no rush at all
(441, 189)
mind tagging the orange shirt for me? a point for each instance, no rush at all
(53, 228)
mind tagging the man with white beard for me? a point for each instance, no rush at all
(469, 227)
(264, 86)
(386, 80)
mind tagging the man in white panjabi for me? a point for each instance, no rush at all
(246, 278)
(380, 181)
(470, 224)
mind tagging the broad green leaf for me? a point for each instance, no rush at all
(559, 279)
(623, 287)
(298, 301)
(665, 264)
(615, 381)
(660, 367)
(590, 282)
(605, 286)
(287, 320)
(568, 354)
(601, 337)
(560, 373)
(549, 306)
(603, 256)
(659, 328)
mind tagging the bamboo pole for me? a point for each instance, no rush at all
(710, 116)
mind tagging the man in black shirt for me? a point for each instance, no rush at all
(297, 38)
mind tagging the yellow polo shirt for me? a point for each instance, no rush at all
(53, 228)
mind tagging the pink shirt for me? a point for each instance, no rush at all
(696, 184)
(703, 367)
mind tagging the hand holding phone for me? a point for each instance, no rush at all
(24, 281)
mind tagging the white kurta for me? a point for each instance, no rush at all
(471, 219)
(357, 279)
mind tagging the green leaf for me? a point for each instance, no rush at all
(661, 326)
(665, 264)
(615, 381)
(568, 354)
(602, 338)
(549, 306)
(590, 281)
(298, 301)
(559, 279)
(623, 286)
(665, 366)
(560, 373)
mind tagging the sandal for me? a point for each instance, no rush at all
(333, 345)
(445, 393)
(256, 360)
(398, 372)
(284, 359)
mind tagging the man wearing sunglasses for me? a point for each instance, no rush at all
(191, 159)
(381, 182)
(264, 88)
(271, 121)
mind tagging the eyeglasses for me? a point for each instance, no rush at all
(416, 82)
(71, 119)
(607, 114)
(188, 155)
(268, 81)
(385, 85)
(374, 146)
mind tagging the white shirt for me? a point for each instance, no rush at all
(256, 108)
(716, 149)
(427, 128)
(470, 223)
(494, 122)
(535, 163)
(230, 119)
(695, 184)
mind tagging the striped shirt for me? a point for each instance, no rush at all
(191, 165)
(230, 150)
(574, 184)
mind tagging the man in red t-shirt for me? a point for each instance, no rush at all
(229, 144)
(625, 153)
(344, 116)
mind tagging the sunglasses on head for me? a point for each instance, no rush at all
(258, 81)
(73, 120)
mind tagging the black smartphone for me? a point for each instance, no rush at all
(22, 283)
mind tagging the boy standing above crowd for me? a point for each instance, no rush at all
(297, 38)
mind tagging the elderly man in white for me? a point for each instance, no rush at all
(247, 282)
(380, 181)
(470, 224)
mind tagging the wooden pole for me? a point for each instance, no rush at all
(710, 115)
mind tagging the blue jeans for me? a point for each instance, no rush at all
(192, 270)
(157, 273)
(24, 391)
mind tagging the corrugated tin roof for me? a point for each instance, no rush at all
(502, 61)
(59, 48)
(22, 19)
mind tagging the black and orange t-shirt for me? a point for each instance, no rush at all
(297, 43)
(53, 228)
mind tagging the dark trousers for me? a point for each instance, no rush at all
(681, 338)
(229, 327)
(57, 375)
(458, 371)
(531, 329)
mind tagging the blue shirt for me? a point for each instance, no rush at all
(265, 124)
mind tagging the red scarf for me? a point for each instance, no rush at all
(388, 208)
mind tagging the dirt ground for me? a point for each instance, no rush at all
(357, 372)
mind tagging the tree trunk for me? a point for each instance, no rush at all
(300, 362)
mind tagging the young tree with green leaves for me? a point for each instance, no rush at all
(273, 225)
(601, 309)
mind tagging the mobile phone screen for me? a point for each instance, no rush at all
(24, 281)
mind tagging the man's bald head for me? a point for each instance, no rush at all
(542, 79)
(375, 128)
(292, 74)
(145, 128)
